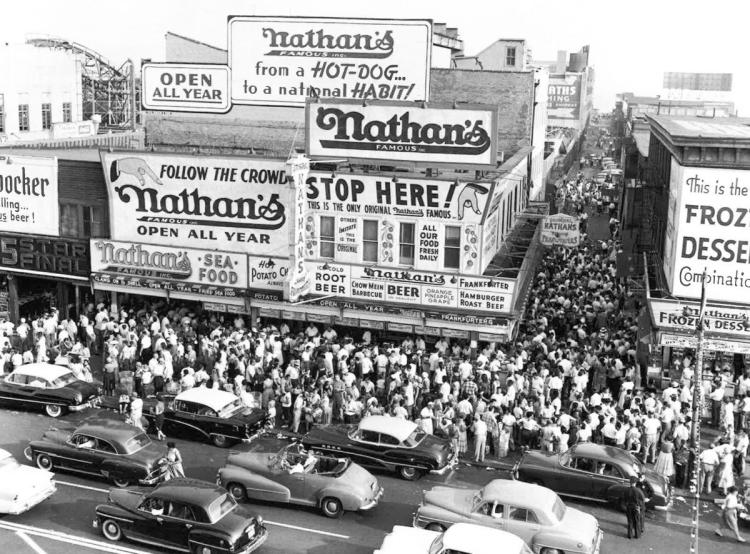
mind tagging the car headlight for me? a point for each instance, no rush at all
(259, 520)
(78, 398)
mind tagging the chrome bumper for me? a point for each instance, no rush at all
(93, 403)
(449, 466)
(374, 502)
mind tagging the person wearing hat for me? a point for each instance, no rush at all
(635, 506)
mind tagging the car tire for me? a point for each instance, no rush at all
(331, 507)
(53, 410)
(120, 482)
(44, 462)
(409, 473)
(551, 551)
(221, 441)
(111, 530)
(435, 527)
(238, 491)
(200, 549)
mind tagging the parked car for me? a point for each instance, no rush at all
(533, 513)
(181, 514)
(388, 443)
(275, 471)
(52, 388)
(215, 415)
(22, 487)
(594, 472)
(102, 447)
(460, 537)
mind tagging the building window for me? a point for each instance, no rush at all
(327, 237)
(93, 221)
(46, 116)
(23, 117)
(69, 220)
(77, 220)
(452, 256)
(406, 250)
(370, 241)
(510, 56)
(67, 112)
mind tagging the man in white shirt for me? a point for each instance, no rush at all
(651, 428)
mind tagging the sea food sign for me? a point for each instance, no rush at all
(281, 61)
(431, 134)
(187, 270)
(227, 204)
(560, 230)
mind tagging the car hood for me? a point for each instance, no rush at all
(128, 498)
(539, 458)
(23, 479)
(85, 389)
(249, 417)
(585, 526)
(148, 455)
(657, 482)
(451, 499)
(253, 461)
(407, 539)
(54, 436)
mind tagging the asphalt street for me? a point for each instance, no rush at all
(62, 524)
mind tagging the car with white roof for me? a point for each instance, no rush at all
(22, 487)
(465, 538)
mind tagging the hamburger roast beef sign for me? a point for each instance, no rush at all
(432, 134)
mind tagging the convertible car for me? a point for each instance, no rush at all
(48, 387)
(533, 513)
(103, 447)
(276, 471)
(385, 442)
(594, 472)
(201, 413)
(181, 514)
(22, 487)
(460, 537)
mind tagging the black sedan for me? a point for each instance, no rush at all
(101, 447)
(384, 442)
(181, 514)
(594, 472)
(201, 413)
(48, 387)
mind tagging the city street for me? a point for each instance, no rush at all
(63, 522)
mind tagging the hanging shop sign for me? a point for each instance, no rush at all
(560, 230)
(564, 96)
(298, 283)
(711, 233)
(225, 308)
(372, 195)
(281, 61)
(28, 195)
(684, 315)
(227, 204)
(185, 87)
(267, 273)
(432, 134)
(712, 344)
(61, 258)
(184, 270)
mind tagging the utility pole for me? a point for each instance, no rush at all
(695, 427)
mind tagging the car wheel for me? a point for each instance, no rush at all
(199, 549)
(435, 527)
(331, 507)
(44, 462)
(237, 491)
(551, 551)
(111, 530)
(409, 473)
(53, 410)
(221, 441)
(120, 482)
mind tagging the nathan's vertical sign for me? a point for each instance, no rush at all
(299, 282)
(28, 195)
(280, 61)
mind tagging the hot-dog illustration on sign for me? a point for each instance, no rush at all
(136, 167)
(469, 196)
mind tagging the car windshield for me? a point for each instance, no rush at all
(220, 507)
(137, 442)
(415, 438)
(558, 508)
(64, 379)
(233, 408)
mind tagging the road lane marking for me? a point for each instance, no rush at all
(28, 540)
(70, 539)
(76, 485)
(327, 533)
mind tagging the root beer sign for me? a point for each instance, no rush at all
(433, 135)
(228, 204)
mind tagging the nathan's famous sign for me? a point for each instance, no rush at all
(433, 134)
(229, 204)
(280, 61)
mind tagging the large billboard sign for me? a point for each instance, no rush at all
(560, 230)
(711, 233)
(281, 61)
(396, 131)
(564, 96)
(227, 204)
(28, 195)
(185, 87)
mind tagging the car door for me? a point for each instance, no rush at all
(606, 476)
(489, 514)
(181, 420)
(177, 522)
(83, 455)
(15, 391)
(149, 526)
(523, 523)
(576, 480)
(365, 446)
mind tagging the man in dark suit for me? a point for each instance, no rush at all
(635, 505)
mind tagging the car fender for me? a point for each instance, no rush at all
(123, 516)
(257, 486)
(122, 468)
(436, 513)
(557, 539)
(206, 537)
(350, 500)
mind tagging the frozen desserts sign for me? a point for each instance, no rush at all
(28, 195)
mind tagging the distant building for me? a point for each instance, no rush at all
(505, 54)
(697, 86)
